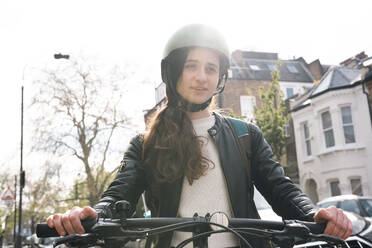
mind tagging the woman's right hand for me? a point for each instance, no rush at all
(70, 222)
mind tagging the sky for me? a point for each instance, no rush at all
(135, 32)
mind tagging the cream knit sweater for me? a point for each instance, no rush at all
(209, 193)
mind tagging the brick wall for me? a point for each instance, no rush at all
(230, 98)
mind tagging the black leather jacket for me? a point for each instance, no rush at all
(266, 174)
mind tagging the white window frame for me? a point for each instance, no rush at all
(334, 180)
(229, 73)
(307, 139)
(286, 92)
(255, 67)
(351, 186)
(347, 124)
(247, 104)
(287, 129)
(160, 93)
(271, 67)
(324, 130)
(292, 69)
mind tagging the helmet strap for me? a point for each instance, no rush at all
(185, 105)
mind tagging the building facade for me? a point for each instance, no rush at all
(333, 136)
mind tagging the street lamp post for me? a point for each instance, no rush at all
(21, 182)
(61, 56)
(15, 211)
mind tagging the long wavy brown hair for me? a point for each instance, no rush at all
(171, 147)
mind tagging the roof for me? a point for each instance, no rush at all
(336, 77)
(258, 55)
(304, 103)
(260, 69)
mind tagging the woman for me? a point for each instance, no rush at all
(189, 160)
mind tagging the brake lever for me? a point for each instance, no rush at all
(77, 239)
(285, 238)
(302, 231)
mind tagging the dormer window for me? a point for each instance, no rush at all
(292, 68)
(255, 67)
(271, 67)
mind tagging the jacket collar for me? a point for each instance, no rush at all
(216, 128)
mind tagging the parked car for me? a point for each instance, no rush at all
(360, 205)
(362, 227)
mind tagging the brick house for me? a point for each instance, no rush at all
(251, 70)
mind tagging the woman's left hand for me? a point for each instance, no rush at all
(338, 224)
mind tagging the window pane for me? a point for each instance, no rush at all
(346, 115)
(237, 73)
(292, 68)
(349, 134)
(350, 205)
(356, 187)
(308, 147)
(329, 139)
(289, 92)
(306, 131)
(287, 129)
(254, 67)
(335, 189)
(160, 93)
(367, 206)
(271, 67)
(326, 120)
(247, 104)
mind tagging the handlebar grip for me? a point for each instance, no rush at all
(44, 231)
(315, 228)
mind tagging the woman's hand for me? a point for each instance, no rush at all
(338, 224)
(70, 222)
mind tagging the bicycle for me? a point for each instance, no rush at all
(106, 232)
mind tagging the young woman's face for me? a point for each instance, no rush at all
(200, 75)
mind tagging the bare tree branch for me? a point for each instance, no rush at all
(79, 114)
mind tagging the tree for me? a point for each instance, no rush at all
(79, 193)
(271, 115)
(6, 213)
(43, 195)
(80, 109)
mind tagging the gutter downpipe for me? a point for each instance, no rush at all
(368, 75)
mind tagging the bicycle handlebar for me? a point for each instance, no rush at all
(43, 231)
(119, 230)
